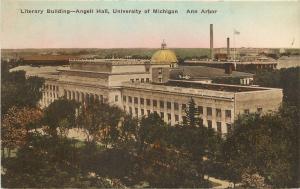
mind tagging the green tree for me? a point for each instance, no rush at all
(192, 114)
(101, 122)
(263, 143)
(151, 131)
(19, 91)
(60, 115)
(15, 126)
(286, 78)
(129, 129)
(51, 162)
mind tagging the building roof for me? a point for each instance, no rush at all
(203, 72)
(212, 86)
(164, 55)
(48, 57)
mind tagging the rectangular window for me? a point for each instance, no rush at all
(136, 100)
(176, 106)
(160, 71)
(209, 111)
(132, 80)
(137, 80)
(142, 80)
(148, 102)
(219, 127)
(162, 115)
(201, 121)
(142, 101)
(209, 124)
(124, 98)
(142, 112)
(169, 105)
(130, 99)
(154, 103)
(136, 111)
(218, 112)
(176, 118)
(148, 112)
(229, 128)
(184, 119)
(200, 109)
(183, 106)
(228, 113)
(246, 111)
(130, 110)
(116, 98)
(169, 117)
(161, 104)
(147, 80)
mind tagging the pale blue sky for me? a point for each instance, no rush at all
(261, 24)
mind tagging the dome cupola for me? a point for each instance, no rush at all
(164, 56)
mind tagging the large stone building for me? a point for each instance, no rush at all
(144, 86)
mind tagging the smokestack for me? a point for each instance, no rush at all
(228, 48)
(229, 67)
(211, 42)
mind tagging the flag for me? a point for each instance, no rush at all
(236, 32)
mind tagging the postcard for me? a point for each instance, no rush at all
(150, 94)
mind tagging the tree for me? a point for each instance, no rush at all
(61, 114)
(192, 114)
(128, 129)
(51, 162)
(252, 179)
(19, 91)
(101, 122)
(263, 143)
(16, 124)
(167, 168)
(151, 131)
(287, 79)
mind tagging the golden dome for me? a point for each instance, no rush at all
(164, 56)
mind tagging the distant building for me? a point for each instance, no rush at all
(46, 60)
(246, 66)
(205, 74)
(144, 86)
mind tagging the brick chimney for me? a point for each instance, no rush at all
(229, 67)
(228, 48)
(211, 34)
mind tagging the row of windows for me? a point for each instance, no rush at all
(162, 115)
(247, 111)
(219, 126)
(176, 117)
(161, 104)
(51, 87)
(142, 80)
(50, 95)
(80, 96)
(154, 102)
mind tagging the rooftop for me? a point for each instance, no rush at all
(111, 61)
(201, 72)
(213, 87)
(222, 62)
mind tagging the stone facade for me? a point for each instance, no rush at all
(136, 89)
